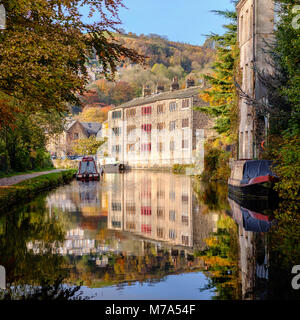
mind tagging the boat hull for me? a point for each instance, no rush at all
(257, 191)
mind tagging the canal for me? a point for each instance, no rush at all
(144, 235)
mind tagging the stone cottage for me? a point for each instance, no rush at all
(61, 145)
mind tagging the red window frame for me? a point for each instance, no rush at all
(147, 127)
(146, 147)
(146, 211)
(146, 110)
(146, 228)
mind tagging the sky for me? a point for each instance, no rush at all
(180, 20)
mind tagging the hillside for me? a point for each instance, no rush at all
(164, 61)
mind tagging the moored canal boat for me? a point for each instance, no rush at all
(252, 179)
(87, 170)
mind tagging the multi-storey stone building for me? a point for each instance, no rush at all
(160, 129)
(255, 34)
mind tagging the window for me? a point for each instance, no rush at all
(130, 113)
(130, 225)
(146, 228)
(172, 195)
(172, 215)
(116, 224)
(172, 145)
(185, 220)
(76, 136)
(172, 234)
(130, 147)
(117, 114)
(160, 147)
(185, 123)
(172, 125)
(173, 106)
(185, 198)
(146, 211)
(185, 103)
(160, 126)
(116, 131)
(130, 208)
(160, 232)
(147, 127)
(146, 147)
(116, 149)
(185, 144)
(146, 193)
(160, 194)
(146, 110)
(185, 240)
(116, 206)
(160, 213)
(160, 108)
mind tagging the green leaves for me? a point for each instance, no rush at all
(221, 95)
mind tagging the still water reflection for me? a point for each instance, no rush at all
(139, 235)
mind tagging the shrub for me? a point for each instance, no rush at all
(216, 164)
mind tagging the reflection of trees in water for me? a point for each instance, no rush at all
(212, 195)
(47, 290)
(150, 267)
(24, 268)
(284, 251)
(221, 260)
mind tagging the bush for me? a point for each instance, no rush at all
(216, 164)
(288, 169)
(181, 168)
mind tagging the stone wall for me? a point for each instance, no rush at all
(255, 30)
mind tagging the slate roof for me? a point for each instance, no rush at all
(167, 95)
(91, 127)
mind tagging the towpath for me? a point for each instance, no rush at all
(9, 181)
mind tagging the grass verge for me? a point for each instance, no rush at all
(28, 189)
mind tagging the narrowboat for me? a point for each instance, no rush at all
(252, 179)
(87, 170)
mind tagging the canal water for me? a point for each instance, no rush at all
(144, 235)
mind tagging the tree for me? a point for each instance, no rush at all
(43, 55)
(222, 95)
(93, 115)
(122, 92)
(88, 146)
(45, 46)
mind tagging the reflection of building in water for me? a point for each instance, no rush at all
(253, 251)
(80, 196)
(83, 198)
(75, 243)
(160, 207)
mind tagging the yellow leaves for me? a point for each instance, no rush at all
(211, 241)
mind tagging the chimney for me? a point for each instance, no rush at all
(190, 83)
(146, 91)
(160, 88)
(175, 84)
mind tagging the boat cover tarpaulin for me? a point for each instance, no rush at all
(254, 225)
(256, 168)
(87, 167)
